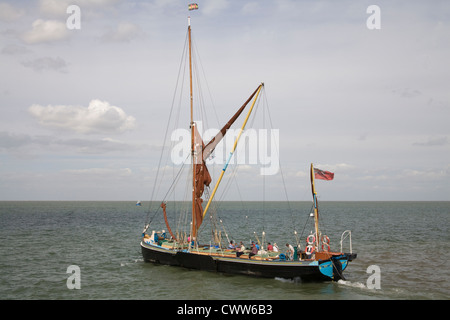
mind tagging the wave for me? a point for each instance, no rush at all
(295, 280)
(352, 284)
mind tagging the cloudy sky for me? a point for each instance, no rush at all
(84, 111)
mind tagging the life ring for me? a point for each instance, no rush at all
(310, 250)
(325, 242)
(308, 239)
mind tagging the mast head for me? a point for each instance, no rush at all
(189, 21)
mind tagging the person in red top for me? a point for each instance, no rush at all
(269, 247)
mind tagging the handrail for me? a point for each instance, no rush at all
(347, 233)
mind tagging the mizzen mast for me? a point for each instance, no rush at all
(316, 207)
(322, 175)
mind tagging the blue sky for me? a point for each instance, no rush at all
(83, 112)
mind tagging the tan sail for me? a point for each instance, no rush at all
(202, 179)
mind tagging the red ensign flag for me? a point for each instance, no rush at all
(323, 175)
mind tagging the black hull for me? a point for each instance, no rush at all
(306, 270)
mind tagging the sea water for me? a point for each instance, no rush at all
(407, 242)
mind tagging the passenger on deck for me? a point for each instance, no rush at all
(231, 245)
(240, 250)
(269, 247)
(253, 252)
(275, 247)
(290, 251)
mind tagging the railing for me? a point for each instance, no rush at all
(345, 234)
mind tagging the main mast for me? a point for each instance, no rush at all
(193, 228)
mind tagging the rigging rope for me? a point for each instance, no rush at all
(152, 198)
(280, 166)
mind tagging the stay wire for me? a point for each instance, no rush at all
(148, 222)
(279, 165)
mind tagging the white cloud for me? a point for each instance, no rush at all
(339, 167)
(57, 8)
(124, 32)
(214, 7)
(101, 146)
(433, 141)
(107, 172)
(46, 63)
(53, 7)
(11, 140)
(30, 146)
(250, 8)
(9, 13)
(98, 117)
(46, 31)
(14, 49)
(301, 174)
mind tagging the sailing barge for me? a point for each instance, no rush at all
(315, 262)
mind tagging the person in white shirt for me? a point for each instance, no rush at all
(290, 251)
(275, 247)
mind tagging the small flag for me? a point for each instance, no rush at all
(323, 175)
(193, 6)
